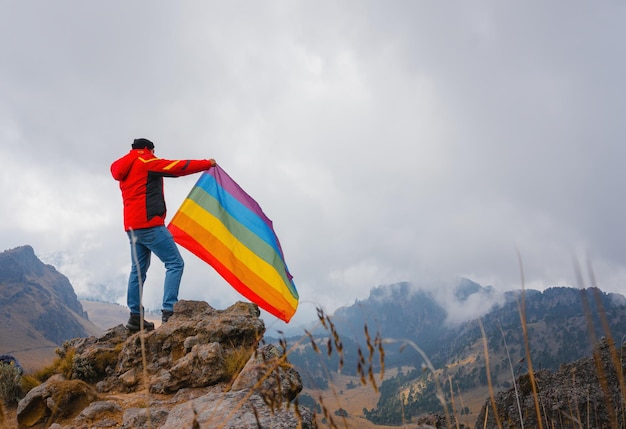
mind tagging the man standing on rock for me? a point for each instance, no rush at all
(140, 174)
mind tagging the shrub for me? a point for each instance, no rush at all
(10, 387)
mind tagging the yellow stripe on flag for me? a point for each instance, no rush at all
(233, 251)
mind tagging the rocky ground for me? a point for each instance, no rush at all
(204, 368)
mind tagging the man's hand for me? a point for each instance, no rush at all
(212, 161)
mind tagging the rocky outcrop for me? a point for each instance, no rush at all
(204, 368)
(585, 393)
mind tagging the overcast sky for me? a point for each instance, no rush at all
(387, 140)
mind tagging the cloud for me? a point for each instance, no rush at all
(387, 142)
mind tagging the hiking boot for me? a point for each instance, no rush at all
(134, 323)
(165, 315)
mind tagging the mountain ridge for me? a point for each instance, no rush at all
(557, 322)
(38, 308)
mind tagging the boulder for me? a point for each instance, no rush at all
(56, 399)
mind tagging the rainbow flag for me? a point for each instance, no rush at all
(222, 225)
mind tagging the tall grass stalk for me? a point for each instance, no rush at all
(456, 420)
(596, 353)
(142, 339)
(531, 374)
(607, 331)
(491, 394)
(486, 417)
(458, 389)
(440, 395)
(508, 356)
(578, 417)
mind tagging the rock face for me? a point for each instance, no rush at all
(38, 306)
(204, 368)
(21, 266)
(585, 393)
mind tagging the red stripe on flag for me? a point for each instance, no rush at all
(195, 247)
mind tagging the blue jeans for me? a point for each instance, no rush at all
(144, 242)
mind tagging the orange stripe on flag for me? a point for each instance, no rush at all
(197, 240)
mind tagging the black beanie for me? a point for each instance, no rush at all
(142, 144)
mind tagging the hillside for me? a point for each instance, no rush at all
(38, 308)
(588, 392)
(557, 326)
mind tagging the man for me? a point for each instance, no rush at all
(140, 174)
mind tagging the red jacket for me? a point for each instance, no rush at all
(140, 174)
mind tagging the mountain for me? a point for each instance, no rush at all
(38, 308)
(433, 352)
(396, 312)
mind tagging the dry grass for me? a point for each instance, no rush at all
(61, 365)
(236, 359)
(366, 393)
